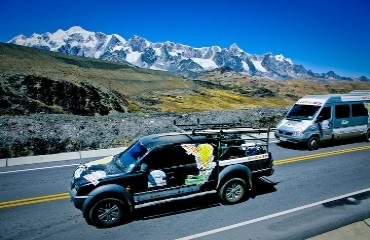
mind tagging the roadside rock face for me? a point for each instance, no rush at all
(41, 134)
(29, 94)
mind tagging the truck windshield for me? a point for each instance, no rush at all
(303, 112)
(126, 160)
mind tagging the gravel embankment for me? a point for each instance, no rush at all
(53, 133)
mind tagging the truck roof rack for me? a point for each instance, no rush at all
(216, 127)
(225, 132)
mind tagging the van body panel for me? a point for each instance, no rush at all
(332, 116)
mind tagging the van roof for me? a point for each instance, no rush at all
(331, 98)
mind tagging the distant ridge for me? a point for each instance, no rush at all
(168, 56)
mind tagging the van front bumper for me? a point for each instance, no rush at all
(285, 136)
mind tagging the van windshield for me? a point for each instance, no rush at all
(303, 112)
(127, 159)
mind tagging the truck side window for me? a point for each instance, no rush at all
(325, 113)
(160, 158)
(182, 158)
(359, 110)
(342, 111)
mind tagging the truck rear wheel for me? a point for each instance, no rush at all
(313, 143)
(233, 191)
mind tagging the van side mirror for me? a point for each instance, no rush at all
(144, 167)
(319, 119)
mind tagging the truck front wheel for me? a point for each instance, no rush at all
(108, 212)
(233, 191)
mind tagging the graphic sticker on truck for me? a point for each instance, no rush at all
(204, 157)
(157, 178)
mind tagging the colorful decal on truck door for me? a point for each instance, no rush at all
(157, 178)
(204, 157)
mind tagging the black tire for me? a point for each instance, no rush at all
(367, 136)
(313, 143)
(108, 212)
(282, 144)
(233, 191)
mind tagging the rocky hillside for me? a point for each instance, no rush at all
(33, 94)
(33, 81)
(40, 134)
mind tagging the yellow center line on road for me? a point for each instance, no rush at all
(319, 155)
(26, 201)
(33, 200)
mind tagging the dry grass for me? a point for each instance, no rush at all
(214, 99)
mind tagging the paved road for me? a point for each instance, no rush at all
(290, 205)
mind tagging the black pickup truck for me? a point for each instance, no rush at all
(169, 166)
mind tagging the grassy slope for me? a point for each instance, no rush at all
(124, 78)
(170, 92)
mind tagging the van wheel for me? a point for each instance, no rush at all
(107, 212)
(368, 136)
(233, 191)
(313, 143)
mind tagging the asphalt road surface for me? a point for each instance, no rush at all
(311, 192)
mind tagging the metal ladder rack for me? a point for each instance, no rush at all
(225, 133)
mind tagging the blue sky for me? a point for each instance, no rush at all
(321, 35)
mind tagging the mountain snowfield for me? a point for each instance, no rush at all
(167, 56)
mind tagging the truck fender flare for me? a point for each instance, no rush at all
(235, 171)
(110, 190)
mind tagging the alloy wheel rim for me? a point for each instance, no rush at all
(234, 192)
(108, 212)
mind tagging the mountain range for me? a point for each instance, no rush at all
(168, 56)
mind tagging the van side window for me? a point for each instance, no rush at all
(325, 113)
(359, 110)
(342, 111)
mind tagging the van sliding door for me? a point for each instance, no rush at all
(360, 117)
(342, 121)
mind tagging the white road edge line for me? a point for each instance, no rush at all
(34, 169)
(203, 234)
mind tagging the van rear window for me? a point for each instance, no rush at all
(359, 110)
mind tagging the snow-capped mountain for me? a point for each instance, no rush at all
(166, 56)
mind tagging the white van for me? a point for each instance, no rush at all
(316, 118)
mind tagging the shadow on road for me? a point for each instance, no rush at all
(327, 144)
(261, 186)
(353, 200)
